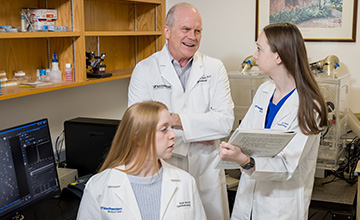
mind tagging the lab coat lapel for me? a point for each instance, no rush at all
(122, 188)
(287, 113)
(169, 74)
(168, 189)
(196, 73)
(264, 104)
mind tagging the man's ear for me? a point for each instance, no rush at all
(167, 31)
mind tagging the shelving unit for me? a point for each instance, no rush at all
(126, 30)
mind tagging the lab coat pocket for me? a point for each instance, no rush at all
(210, 177)
(275, 208)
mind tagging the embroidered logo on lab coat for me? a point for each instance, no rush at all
(155, 87)
(111, 209)
(184, 204)
(283, 124)
(261, 110)
(204, 79)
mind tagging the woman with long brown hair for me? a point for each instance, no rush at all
(280, 187)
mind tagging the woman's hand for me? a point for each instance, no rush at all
(229, 152)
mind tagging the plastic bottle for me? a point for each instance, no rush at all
(68, 73)
(23, 22)
(55, 73)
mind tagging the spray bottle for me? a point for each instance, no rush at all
(55, 73)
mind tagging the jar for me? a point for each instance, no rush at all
(3, 78)
(20, 77)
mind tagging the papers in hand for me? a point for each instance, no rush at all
(257, 143)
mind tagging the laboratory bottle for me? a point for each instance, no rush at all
(68, 73)
(55, 73)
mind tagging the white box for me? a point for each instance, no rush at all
(66, 176)
(49, 14)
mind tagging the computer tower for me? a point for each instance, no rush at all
(87, 141)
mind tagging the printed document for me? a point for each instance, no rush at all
(257, 143)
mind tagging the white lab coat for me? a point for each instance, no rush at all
(206, 113)
(280, 187)
(109, 196)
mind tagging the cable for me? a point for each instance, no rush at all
(58, 146)
(346, 170)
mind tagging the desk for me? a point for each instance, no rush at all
(337, 197)
(62, 208)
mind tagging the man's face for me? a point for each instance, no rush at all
(185, 35)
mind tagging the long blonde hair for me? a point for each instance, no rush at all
(134, 140)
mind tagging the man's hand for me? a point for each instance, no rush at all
(175, 121)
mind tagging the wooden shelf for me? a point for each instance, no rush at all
(24, 35)
(122, 33)
(10, 92)
(126, 30)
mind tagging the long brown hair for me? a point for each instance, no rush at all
(134, 140)
(287, 41)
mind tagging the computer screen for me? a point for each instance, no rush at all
(27, 166)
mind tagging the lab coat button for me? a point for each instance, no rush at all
(190, 154)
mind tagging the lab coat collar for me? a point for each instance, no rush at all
(119, 181)
(168, 72)
(291, 106)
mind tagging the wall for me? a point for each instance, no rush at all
(229, 34)
(101, 100)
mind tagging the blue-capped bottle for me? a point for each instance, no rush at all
(55, 73)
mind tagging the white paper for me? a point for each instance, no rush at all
(257, 143)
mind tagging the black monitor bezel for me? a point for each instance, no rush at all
(16, 209)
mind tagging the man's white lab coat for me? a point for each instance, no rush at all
(206, 113)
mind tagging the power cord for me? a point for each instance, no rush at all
(346, 170)
(58, 148)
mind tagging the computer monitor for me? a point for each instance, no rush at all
(87, 142)
(27, 166)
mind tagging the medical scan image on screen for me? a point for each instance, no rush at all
(27, 166)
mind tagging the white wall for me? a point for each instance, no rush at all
(229, 34)
(101, 100)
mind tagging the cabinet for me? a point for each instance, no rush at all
(126, 30)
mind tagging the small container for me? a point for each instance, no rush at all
(20, 77)
(41, 74)
(68, 73)
(3, 78)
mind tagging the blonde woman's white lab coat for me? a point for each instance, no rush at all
(206, 112)
(109, 196)
(280, 187)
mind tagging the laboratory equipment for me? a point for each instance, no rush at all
(325, 67)
(28, 170)
(333, 139)
(243, 88)
(247, 64)
(97, 68)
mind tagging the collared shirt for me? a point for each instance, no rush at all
(183, 73)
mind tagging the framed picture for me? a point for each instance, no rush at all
(318, 20)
